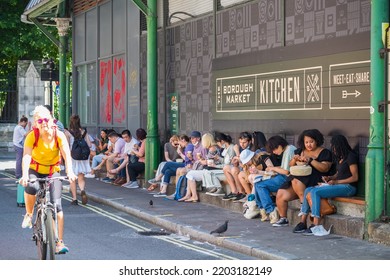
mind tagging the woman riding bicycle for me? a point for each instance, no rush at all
(43, 149)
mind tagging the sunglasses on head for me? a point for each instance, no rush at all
(40, 121)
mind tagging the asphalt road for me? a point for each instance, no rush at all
(98, 232)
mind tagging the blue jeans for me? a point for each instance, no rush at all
(169, 170)
(263, 191)
(96, 160)
(319, 192)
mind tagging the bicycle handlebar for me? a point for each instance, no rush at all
(47, 179)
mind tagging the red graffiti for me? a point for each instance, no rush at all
(105, 91)
(119, 90)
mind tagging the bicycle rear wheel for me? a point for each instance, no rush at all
(50, 245)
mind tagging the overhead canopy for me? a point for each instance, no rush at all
(42, 11)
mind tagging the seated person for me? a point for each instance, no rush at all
(343, 184)
(135, 168)
(213, 158)
(184, 150)
(214, 173)
(119, 148)
(121, 162)
(231, 171)
(170, 155)
(312, 153)
(276, 145)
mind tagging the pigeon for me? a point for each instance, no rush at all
(221, 228)
(151, 203)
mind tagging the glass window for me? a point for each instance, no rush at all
(87, 95)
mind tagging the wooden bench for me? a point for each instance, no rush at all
(354, 200)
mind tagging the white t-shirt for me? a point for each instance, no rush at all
(18, 137)
(130, 145)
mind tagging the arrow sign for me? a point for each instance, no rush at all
(345, 94)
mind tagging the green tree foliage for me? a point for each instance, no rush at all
(20, 41)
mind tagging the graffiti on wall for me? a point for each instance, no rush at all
(105, 91)
(119, 90)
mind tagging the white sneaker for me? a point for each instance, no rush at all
(160, 194)
(274, 216)
(263, 215)
(218, 192)
(131, 185)
(89, 175)
(27, 221)
(320, 230)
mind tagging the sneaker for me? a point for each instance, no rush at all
(154, 181)
(300, 228)
(74, 202)
(274, 216)
(61, 248)
(211, 190)
(228, 196)
(84, 197)
(109, 180)
(283, 222)
(218, 192)
(131, 185)
(160, 194)
(89, 175)
(263, 215)
(320, 230)
(27, 221)
(238, 197)
(106, 178)
(170, 197)
(308, 231)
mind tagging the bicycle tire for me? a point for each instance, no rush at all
(38, 236)
(50, 239)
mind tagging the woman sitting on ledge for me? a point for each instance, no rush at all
(343, 183)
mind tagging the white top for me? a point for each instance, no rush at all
(130, 145)
(288, 154)
(19, 134)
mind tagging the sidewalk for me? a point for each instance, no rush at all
(251, 237)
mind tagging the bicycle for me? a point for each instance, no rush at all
(45, 227)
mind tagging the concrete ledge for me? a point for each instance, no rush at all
(379, 233)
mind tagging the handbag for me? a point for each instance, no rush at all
(300, 170)
(326, 208)
(251, 210)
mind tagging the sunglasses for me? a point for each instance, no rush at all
(40, 121)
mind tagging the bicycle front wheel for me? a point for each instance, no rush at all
(50, 240)
(38, 236)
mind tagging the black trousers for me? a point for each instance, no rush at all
(134, 169)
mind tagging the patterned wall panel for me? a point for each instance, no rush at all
(248, 28)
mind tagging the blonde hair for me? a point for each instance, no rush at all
(208, 140)
(174, 137)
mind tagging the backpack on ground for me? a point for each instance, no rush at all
(80, 149)
(181, 187)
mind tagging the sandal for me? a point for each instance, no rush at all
(152, 187)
